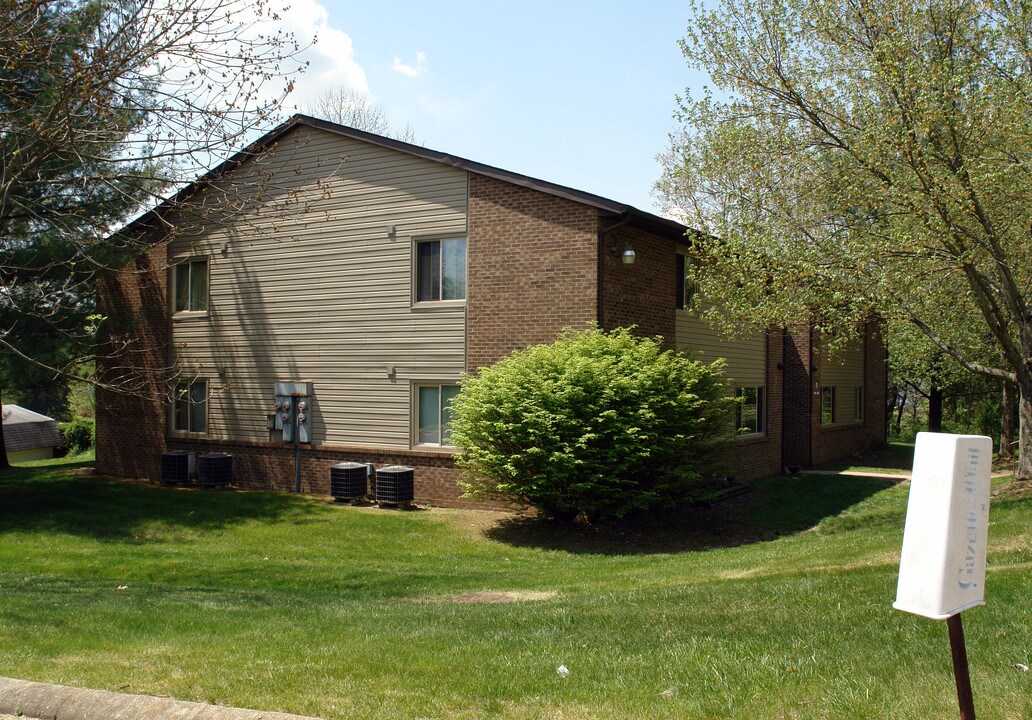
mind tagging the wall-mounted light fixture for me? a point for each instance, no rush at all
(392, 232)
(625, 253)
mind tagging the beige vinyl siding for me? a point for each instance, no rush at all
(313, 287)
(746, 357)
(844, 370)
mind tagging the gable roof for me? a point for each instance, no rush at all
(27, 430)
(607, 208)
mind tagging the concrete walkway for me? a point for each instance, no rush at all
(903, 475)
(42, 701)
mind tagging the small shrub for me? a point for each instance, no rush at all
(79, 434)
(597, 423)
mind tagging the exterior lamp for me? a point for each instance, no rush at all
(625, 253)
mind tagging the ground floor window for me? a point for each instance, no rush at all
(828, 405)
(749, 412)
(433, 413)
(858, 404)
(191, 407)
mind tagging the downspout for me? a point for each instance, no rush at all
(602, 263)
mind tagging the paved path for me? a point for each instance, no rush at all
(859, 473)
(43, 701)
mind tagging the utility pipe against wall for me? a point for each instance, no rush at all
(294, 417)
(602, 263)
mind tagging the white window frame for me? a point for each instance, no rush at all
(183, 396)
(416, 270)
(761, 411)
(439, 385)
(187, 265)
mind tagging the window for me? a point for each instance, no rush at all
(191, 407)
(827, 405)
(441, 270)
(191, 284)
(858, 404)
(685, 287)
(749, 412)
(434, 413)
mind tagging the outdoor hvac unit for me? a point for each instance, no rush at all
(177, 466)
(394, 485)
(349, 480)
(214, 470)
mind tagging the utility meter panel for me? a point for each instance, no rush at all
(294, 410)
(942, 564)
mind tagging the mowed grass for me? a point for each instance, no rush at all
(773, 605)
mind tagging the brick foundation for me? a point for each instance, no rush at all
(270, 466)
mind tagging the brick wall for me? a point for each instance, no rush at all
(532, 268)
(798, 413)
(643, 293)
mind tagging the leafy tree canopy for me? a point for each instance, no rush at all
(863, 158)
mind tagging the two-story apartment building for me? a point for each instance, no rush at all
(380, 272)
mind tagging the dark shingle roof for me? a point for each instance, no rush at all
(27, 430)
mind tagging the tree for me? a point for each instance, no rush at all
(599, 423)
(866, 158)
(105, 105)
(347, 107)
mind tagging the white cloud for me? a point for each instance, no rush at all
(420, 68)
(329, 52)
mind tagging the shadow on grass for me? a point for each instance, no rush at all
(68, 498)
(773, 507)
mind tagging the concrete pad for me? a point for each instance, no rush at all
(43, 701)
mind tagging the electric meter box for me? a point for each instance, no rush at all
(294, 399)
(942, 563)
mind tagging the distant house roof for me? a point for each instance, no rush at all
(609, 208)
(27, 430)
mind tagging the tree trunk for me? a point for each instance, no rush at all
(935, 409)
(1007, 421)
(899, 412)
(1024, 468)
(4, 462)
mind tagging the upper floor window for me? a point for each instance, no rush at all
(190, 280)
(685, 286)
(749, 412)
(190, 413)
(441, 270)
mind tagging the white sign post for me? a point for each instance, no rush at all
(942, 564)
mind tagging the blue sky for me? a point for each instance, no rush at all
(578, 93)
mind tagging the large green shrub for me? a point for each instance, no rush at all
(600, 423)
(79, 434)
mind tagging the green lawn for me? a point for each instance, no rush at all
(773, 605)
